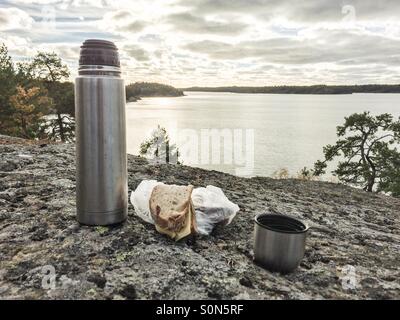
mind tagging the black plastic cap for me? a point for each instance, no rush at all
(99, 52)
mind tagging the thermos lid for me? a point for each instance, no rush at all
(99, 52)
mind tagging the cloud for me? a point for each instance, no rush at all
(42, 2)
(122, 21)
(14, 18)
(189, 23)
(120, 15)
(69, 3)
(220, 42)
(334, 46)
(17, 46)
(136, 52)
(66, 51)
(309, 11)
(134, 26)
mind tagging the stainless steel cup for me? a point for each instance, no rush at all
(101, 179)
(279, 242)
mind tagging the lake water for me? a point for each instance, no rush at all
(263, 132)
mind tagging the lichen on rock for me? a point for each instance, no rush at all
(352, 250)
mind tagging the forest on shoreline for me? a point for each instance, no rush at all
(137, 90)
(315, 89)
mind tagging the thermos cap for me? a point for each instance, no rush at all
(99, 52)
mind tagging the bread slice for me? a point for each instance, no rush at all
(172, 210)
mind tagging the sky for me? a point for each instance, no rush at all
(218, 42)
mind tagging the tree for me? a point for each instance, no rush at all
(50, 70)
(306, 174)
(158, 147)
(148, 89)
(30, 105)
(49, 67)
(7, 89)
(63, 93)
(47, 73)
(282, 173)
(368, 153)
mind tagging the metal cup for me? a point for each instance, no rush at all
(279, 242)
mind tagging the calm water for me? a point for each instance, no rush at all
(289, 130)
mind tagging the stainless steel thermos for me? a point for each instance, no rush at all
(101, 179)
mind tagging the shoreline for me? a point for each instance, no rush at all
(298, 94)
(319, 89)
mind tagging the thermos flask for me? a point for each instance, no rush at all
(101, 179)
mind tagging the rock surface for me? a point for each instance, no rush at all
(352, 250)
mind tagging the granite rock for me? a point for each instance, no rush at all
(352, 249)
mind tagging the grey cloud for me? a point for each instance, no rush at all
(3, 20)
(209, 47)
(243, 6)
(352, 55)
(337, 46)
(134, 26)
(387, 60)
(248, 49)
(70, 52)
(137, 52)
(123, 21)
(190, 23)
(121, 14)
(306, 11)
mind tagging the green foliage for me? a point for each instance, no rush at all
(29, 107)
(7, 89)
(367, 147)
(102, 230)
(146, 89)
(61, 126)
(22, 102)
(306, 174)
(51, 107)
(49, 69)
(159, 148)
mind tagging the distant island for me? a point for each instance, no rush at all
(315, 89)
(137, 90)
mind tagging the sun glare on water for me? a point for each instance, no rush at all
(165, 102)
